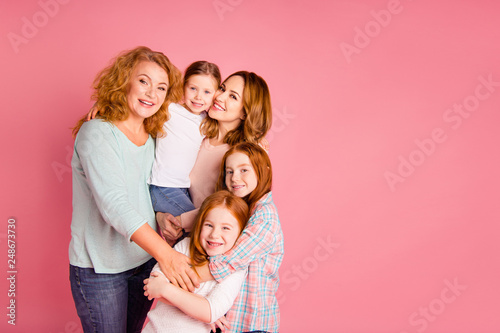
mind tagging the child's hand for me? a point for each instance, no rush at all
(264, 144)
(156, 286)
(92, 113)
(222, 323)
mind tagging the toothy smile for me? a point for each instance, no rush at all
(213, 244)
(218, 107)
(146, 102)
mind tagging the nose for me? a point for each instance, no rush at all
(220, 96)
(214, 233)
(235, 176)
(150, 91)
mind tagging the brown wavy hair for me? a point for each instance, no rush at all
(112, 83)
(256, 108)
(203, 67)
(225, 199)
(260, 163)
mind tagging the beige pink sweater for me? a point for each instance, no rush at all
(203, 177)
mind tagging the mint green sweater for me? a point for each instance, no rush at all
(110, 198)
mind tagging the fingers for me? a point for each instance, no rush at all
(186, 282)
(172, 219)
(193, 277)
(224, 322)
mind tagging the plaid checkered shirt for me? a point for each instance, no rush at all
(260, 248)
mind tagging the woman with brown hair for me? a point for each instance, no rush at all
(241, 112)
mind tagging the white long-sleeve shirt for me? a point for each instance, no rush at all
(220, 296)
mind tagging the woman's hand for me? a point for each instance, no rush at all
(177, 268)
(173, 264)
(170, 227)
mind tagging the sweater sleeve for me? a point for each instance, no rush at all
(100, 155)
(222, 297)
(256, 240)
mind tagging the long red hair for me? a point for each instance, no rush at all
(236, 206)
(260, 163)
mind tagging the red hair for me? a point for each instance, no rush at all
(260, 163)
(235, 205)
(111, 87)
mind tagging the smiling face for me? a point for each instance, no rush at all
(199, 92)
(219, 231)
(147, 90)
(241, 178)
(227, 108)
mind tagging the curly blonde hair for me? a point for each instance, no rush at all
(112, 83)
(256, 108)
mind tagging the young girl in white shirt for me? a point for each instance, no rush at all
(176, 152)
(218, 225)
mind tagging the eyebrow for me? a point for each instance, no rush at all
(146, 75)
(231, 90)
(241, 165)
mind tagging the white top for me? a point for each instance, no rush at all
(168, 318)
(176, 152)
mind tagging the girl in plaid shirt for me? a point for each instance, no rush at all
(246, 172)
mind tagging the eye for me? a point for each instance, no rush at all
(233, 96)
(222, 88)
(193, 88)
(208, 92)
(229, 172)
(143, 81)
(226, 228)
(162, 88)
(244, 170)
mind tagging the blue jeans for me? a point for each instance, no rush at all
(170, 200)
(113, 303)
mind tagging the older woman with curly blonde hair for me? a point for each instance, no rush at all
(113, 225)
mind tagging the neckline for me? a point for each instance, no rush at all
(130, 141)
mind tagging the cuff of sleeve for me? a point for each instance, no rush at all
(133, 230)
(218, 269)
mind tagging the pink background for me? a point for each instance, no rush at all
(388, 196)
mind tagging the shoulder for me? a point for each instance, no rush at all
(96, 131)
(175, 108)
(265, 209)
(95, 124)
(183, 246)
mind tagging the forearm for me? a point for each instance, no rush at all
(193, 305)
(187, 219)
(204, 273)
(147, 238)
